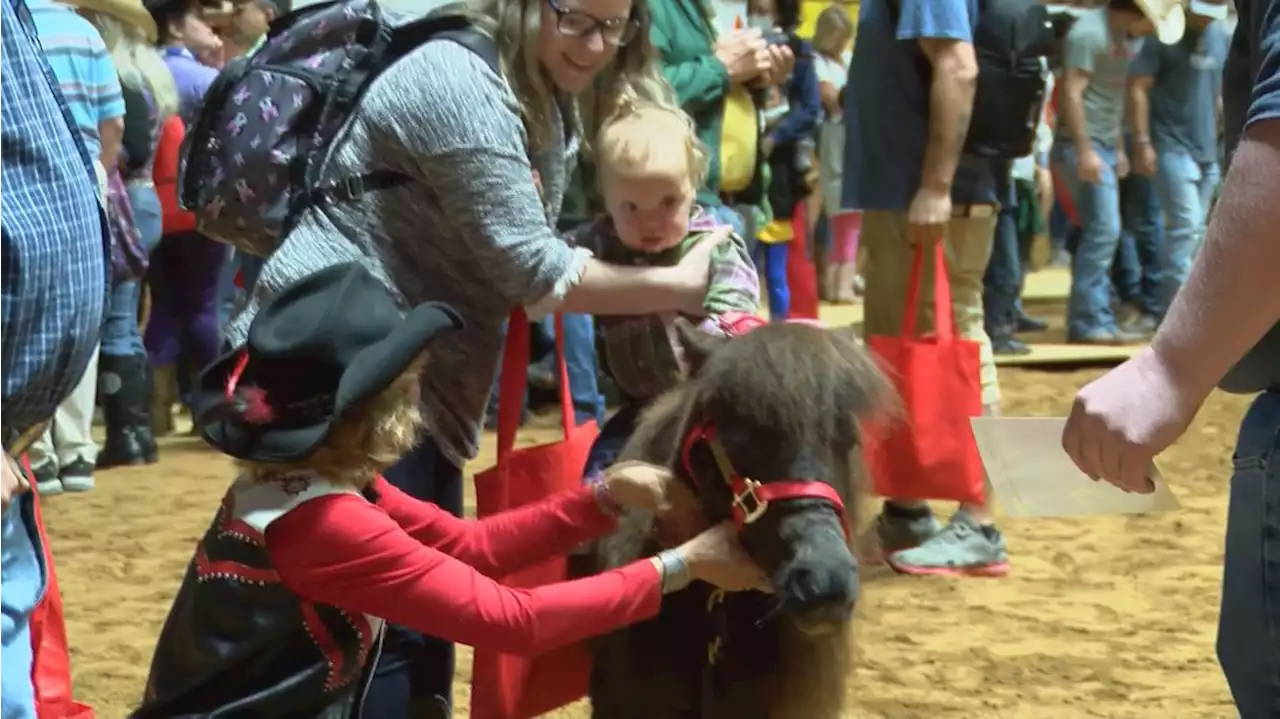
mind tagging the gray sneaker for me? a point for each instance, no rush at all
(46, 477)
(77, 476)
(892, 533)
(964, 548)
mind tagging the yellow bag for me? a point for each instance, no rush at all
(739, 140)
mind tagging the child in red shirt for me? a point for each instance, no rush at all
(312, 551)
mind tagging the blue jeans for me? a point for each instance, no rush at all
(612, 438)
(22, 577)
(1002, 282)
(1089, 304)
(231, 297)
(413, 665)
(1185, 188)
(580, 361)
(1139, 267)
(120, 335)
(726, 215)
(1249, 621)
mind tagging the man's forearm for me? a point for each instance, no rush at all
(1139, 114)
(1073, 114)
(955, 76)
(1232, 298)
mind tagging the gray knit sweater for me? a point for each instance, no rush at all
(470, 229)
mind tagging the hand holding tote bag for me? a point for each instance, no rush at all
(504, 686)
(929, 452)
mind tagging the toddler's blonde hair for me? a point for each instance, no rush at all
(370, 437)
(641, 136)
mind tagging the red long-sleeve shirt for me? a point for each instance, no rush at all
(413, 564)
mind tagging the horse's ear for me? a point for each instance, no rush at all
(698, 345)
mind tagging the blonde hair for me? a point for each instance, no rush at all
(137, 62)
(832, 26)
(514, 26)
(370, 437)
(641, 134)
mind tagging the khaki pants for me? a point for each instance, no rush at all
(888, 255)
(69, 436)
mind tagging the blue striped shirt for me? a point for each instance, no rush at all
(84, 69)
(53, 283)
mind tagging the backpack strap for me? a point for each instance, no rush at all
(456, 28)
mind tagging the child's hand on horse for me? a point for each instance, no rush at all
(716, 557)
(677, 512)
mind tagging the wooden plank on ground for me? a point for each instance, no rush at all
(1068, 354)
(1051, 284)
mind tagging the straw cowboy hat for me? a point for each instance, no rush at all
(1168, 17)
(129, 12)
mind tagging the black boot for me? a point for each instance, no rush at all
(140, 407)
(114, 384)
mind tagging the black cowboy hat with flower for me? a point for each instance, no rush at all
(320, 347)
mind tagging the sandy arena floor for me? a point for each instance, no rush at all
(1101, 618)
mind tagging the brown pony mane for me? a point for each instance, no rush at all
(830, 384)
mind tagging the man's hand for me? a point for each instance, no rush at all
(780, 64)
(928, 215)
(1144, 158)
(1088, 167)
(1121, 421)
(15, 482)
(1122, 165)
(744, 54)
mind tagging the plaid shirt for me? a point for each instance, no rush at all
(54, 283)
(642, 352)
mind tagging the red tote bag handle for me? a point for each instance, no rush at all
(514, 380)
(944, 319)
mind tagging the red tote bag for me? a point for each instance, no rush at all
(504, 686)
(51, 662)
(929, 451)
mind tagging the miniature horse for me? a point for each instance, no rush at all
(766, 431)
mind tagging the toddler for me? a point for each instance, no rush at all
(649, 164)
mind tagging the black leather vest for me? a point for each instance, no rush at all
(237, 643)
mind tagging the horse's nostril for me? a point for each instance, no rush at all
(813, 586)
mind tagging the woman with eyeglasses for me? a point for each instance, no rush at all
(474, 229)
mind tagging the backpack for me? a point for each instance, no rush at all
(1013, 41)
(254, 158)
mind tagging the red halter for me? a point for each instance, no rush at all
(751, 498)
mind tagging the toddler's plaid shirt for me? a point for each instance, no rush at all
(642, 352)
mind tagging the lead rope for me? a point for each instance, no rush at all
(715, 647)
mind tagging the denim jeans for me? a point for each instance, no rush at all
(1002, 282)
(1185, 188)
(413, 665)
(231, 297)
(1089, 304)
(120, 335)
(736, 219)
(580, 362)
(1139, 266)
(22, 577)
(1249, 621)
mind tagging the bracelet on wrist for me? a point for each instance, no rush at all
(675, 571)
(604, 498)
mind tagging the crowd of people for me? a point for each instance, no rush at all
(619, 164)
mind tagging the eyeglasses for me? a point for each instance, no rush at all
(575, 23)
